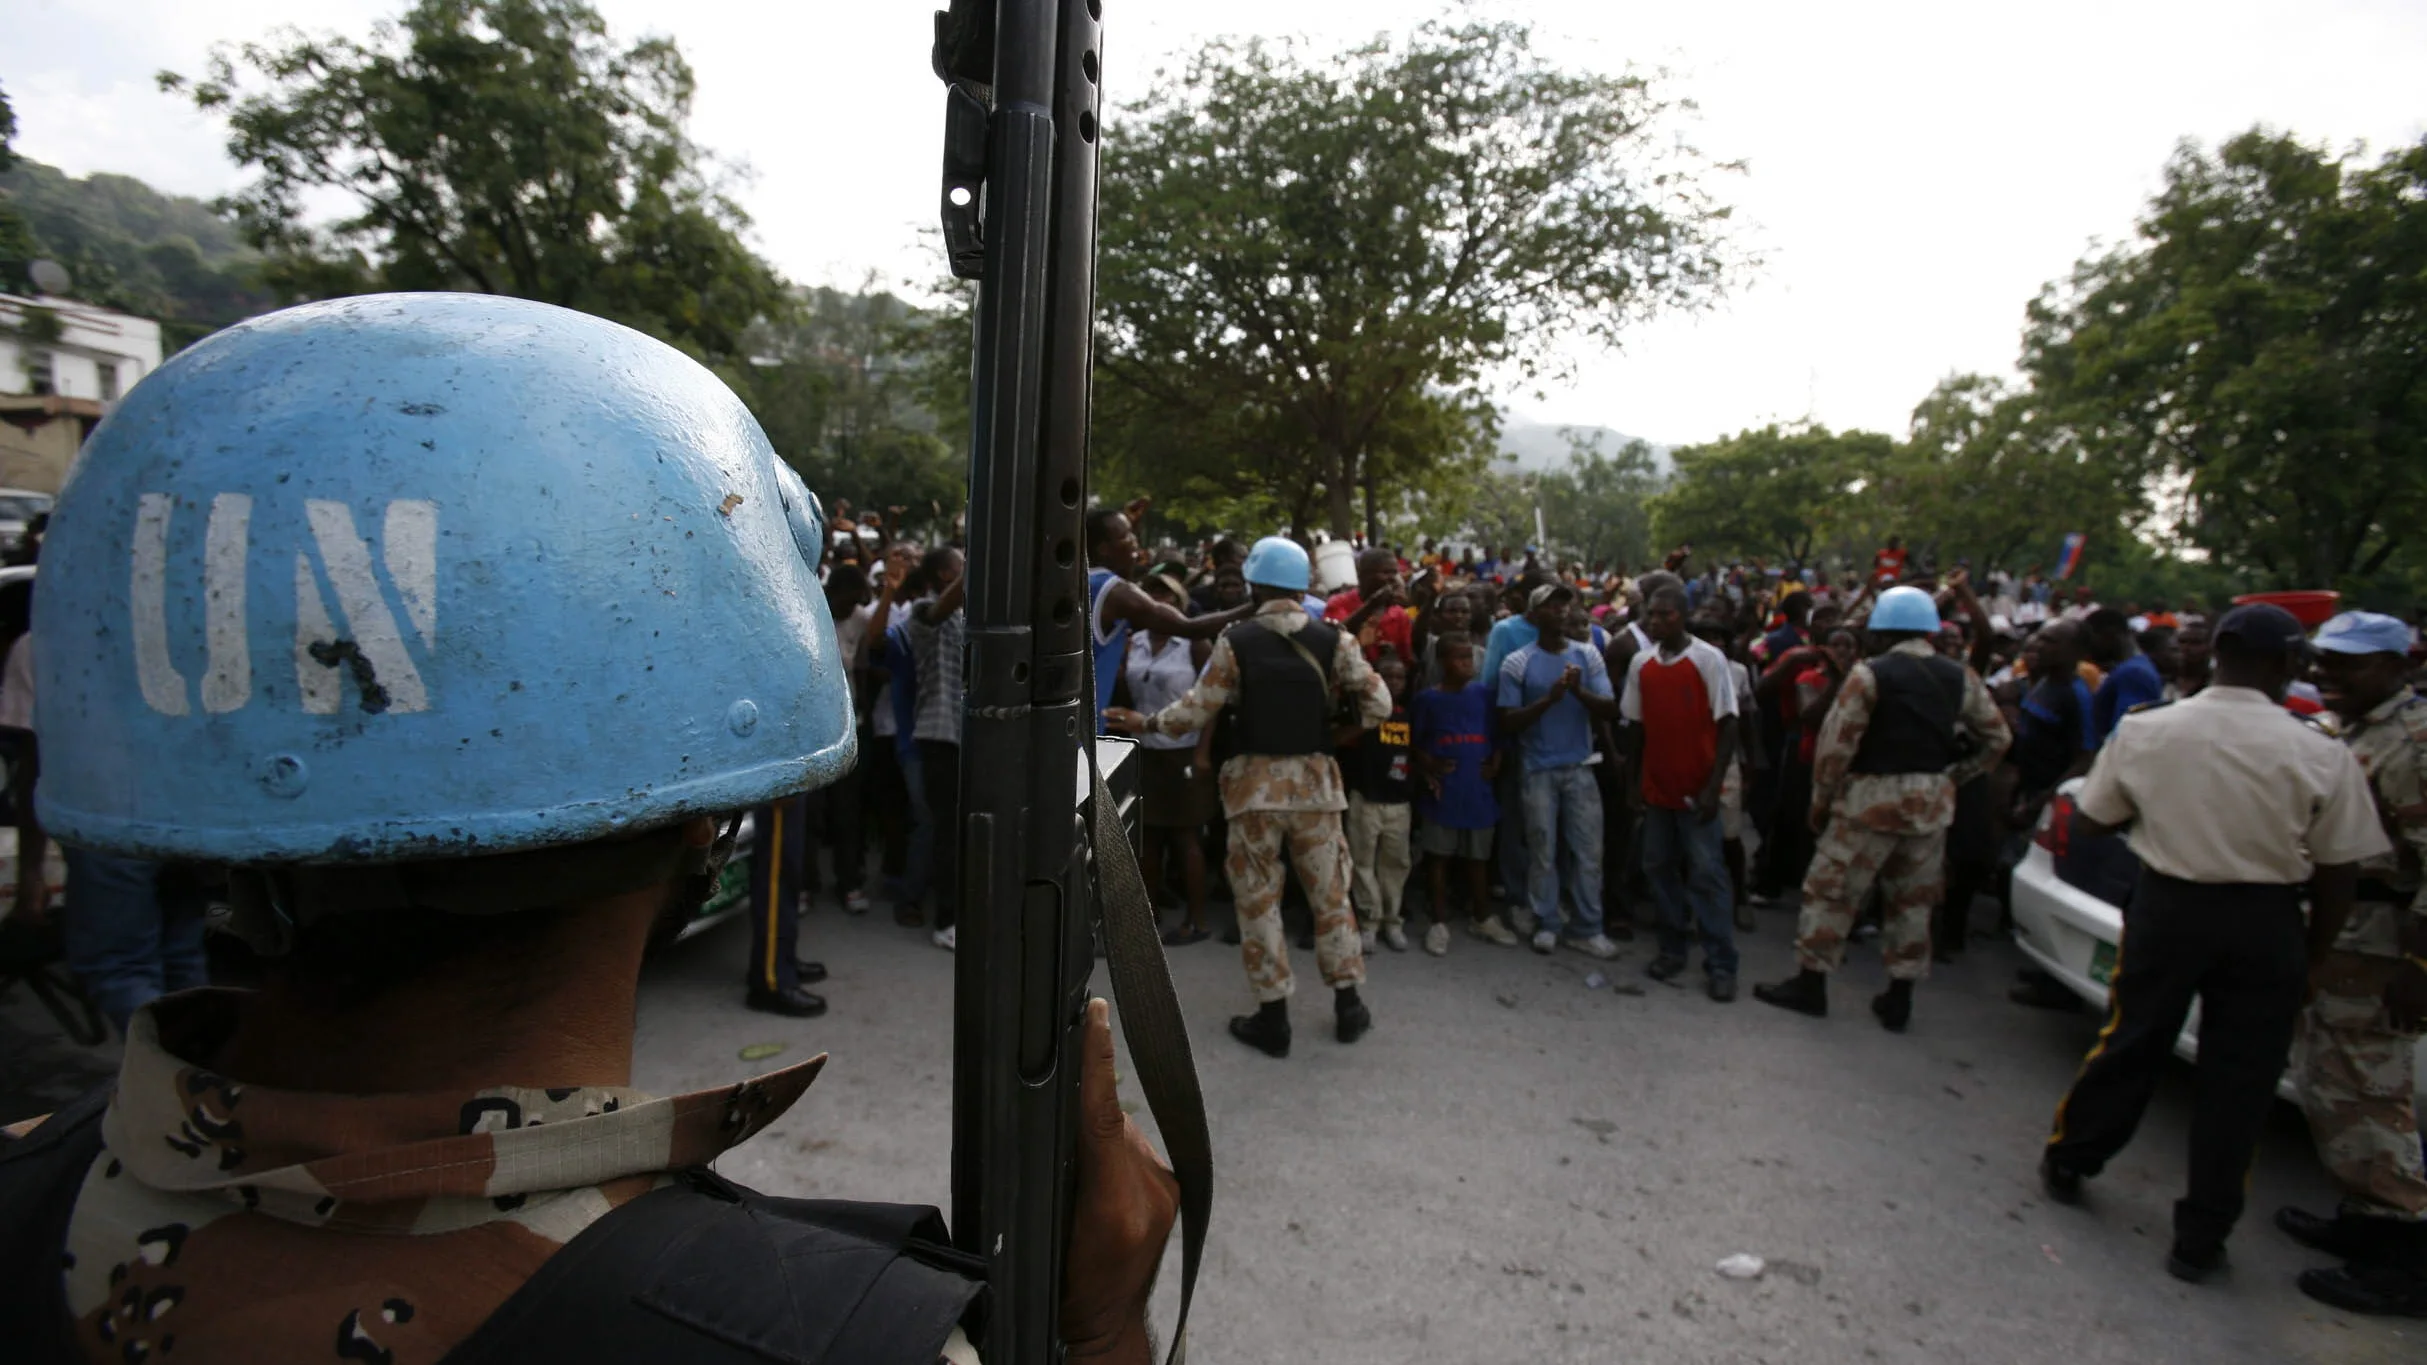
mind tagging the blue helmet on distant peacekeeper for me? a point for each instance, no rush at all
(361, 589)
(1277, 562)
(1905, 609)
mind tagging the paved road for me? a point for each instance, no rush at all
(1513, 1167)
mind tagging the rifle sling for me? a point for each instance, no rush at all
(1158, 1036)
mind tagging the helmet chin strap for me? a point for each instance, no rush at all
(268, 905)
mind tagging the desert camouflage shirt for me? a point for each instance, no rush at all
(233, 1222)
(1897, 803)
(1277, 781)
(2391, 744)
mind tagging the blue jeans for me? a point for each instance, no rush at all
(1563, 802)
(1695, 899)
(126, 942)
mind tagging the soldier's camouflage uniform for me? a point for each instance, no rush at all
(1884, 828)
(227, 1222)
(2355, 1067)
(1292, 800)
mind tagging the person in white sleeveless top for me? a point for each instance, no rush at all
(1178, 792)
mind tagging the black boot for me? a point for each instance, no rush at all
(797, 1003)
(1266, 1030)
(1806, 992)
(2378, 1290)
(1350, 1017)
(1894, 1006)
(2354, 1237)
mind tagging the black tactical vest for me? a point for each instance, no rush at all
(1283, 700)
(1915, 721)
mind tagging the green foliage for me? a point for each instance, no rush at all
(1598, 509)
(2261, 346)
(1771, 493)
(500, 146)
(131, 248)
(1309, 264)
(847, 387)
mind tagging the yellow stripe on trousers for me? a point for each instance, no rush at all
(2115, 1015)
(775, 884)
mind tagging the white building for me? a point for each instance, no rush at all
(63, 365)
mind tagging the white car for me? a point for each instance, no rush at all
(2071, 934)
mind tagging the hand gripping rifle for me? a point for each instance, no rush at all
(1019, 201)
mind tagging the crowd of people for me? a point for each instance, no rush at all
(1565, 759)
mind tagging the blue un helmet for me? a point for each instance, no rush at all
(418, 577)
(1277, 562)
(1905, 609)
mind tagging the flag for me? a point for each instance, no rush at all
(2068, 557)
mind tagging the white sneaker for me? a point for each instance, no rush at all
(1521, 920)
(1366, 938)
(1394, 938)
(1491, 930)
(945, 939)
(1598, 945)
(1436, 939)
(1545, 940)
(855, 902)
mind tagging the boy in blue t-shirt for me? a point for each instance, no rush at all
(1459, 759)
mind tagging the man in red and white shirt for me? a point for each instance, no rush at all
(1680, 705)
(1372, 611)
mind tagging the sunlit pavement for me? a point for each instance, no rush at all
(1514, 1167)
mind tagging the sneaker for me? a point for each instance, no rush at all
(1436, 939)
(855, 902)
(1394, 938)
(1491, 930)
(1721, 988)
(946, 938)
(1664, 968)
(908, 916)
(1545, 941)
(1745, 923)
(1761, 901)
(1598, 945)
(1521, 920)
(1365, 939)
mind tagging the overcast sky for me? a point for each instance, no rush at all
(1916, 171)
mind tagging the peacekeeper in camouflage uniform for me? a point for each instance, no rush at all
(2370, 994)
(1284, 675)
(459, 630)
(1885, 770)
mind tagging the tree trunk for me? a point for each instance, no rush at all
(1373, 524)
(1340, 497)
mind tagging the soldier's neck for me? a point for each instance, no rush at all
(559, 1016)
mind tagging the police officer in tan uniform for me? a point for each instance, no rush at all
(2362, 1025)
(2235, 806)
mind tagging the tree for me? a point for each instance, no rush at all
(1772, 492)
(848, 387)
(1311, 264)
(2263, 345)
(129, 247)
(498, 146)
(1598, 509)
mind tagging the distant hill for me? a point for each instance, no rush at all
(128, 246)
(1544, 445)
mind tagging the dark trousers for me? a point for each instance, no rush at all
(838, 814)
(887, 792)
(940, 762)
(779, 866)
(1786, 840)
(2239, 950)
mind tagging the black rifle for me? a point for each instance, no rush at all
(1019, 216)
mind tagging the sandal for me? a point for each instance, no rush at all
(1180, 936)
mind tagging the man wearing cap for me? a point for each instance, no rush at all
(2234, 806)
(1549, 693)
(1908, 728)
(2363, 1022)
(1284, 674)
